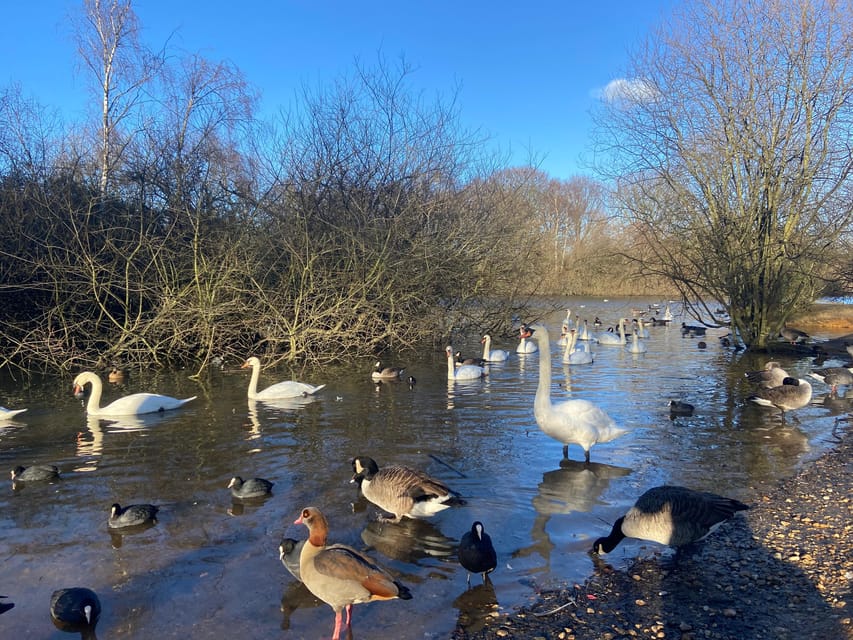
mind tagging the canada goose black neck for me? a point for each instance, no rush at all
(608, 544)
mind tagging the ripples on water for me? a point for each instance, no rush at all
(210, 568)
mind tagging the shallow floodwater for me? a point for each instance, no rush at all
(210, 568)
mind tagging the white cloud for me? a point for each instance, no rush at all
(624, 89)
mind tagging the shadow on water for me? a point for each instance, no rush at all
(201, 571)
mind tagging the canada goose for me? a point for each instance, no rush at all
(35, 473)
(252, 489)
(692, 330)
(401, 490)
(476, 553)
(459, 360)
(76, 610)
(386, 373)
(462, 372)
(793, 335)
(834, 376)
(571, 421)
(339, 575)
(286, 389)
(492, 355)
(680, 408)
(670, 515)
(770, 376)
(132, 516)
(793, 393)
(132, 405)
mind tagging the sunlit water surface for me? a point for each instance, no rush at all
(210, 568)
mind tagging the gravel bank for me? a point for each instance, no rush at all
(782, 570)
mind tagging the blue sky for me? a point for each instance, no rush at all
(527, 73)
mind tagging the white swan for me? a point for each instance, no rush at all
(571, 421)
(8, 414)
(636, 345)
(575, 354)
(462, 372)
(526, 345)
(492, 355)
(584, 332)
(287, 389)
(132, 405)
(612, 339)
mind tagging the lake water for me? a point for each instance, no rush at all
(210, 568)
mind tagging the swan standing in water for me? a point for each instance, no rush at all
(287, 389)
(132, 405)
(492, 355)
(462, 372)
(571, 421)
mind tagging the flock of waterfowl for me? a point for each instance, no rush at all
(342, 576)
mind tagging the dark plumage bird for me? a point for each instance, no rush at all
(35, 473)
(76, 609)
(386, 373)
(133, 515)
(834, 376)
(793, 335)
(793, 393)
(670, 515)
(460, 360)
(288, 552)
(5, 606)
(250, 489)
(680, 408)
(476, 553)
(692, 330)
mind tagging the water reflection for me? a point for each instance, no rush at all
(408, 540)
(476, 605)
(296, 596)
(117, 536)
(575, 486)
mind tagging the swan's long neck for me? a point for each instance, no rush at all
(253, 382)
(542, 401)
(487, 347)
(93, 405)
(451, 369)
(622, 330)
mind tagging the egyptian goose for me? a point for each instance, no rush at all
(339, 575)
(571, 421)
(132, 405)
(401, 490)
(287, 389)
(670, 515)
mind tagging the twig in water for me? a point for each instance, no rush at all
(455, 470)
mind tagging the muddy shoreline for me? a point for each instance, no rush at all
(782, 570)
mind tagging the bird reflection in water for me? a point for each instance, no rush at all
(476, 605)
(575, 487)
(408, 540)
(117, 535)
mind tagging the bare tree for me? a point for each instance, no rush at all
(109, 47)
(730, 143)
